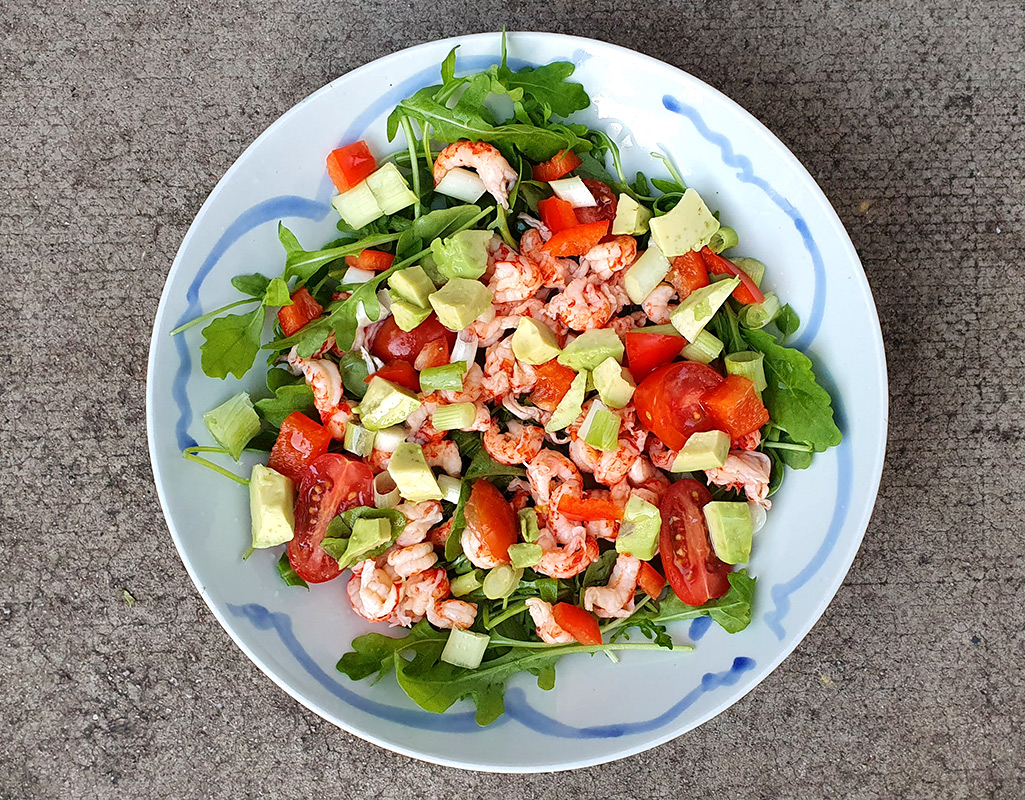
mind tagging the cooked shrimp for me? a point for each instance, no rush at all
(378, 460)
(518, 446)
(749, 441)
(656, 304)
(477, 552)
(325, 381)
(420, 592)
(617, 598)
(548, 470)
(583, 455)
(410, 560)
(567, 559)
(607, 258)
(584, 305)
(660, 455)
(420, 517)
(373, 593)
(516, 278)
(491, 166)
(556, 272)
(520, 411)
(504, 374)
(452, 614)
(439, 536)
(445, 455)
(623, 325)
(748, 470)
(613, 467)
(544, 620)
(489, 332)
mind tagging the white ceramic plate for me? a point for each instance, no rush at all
(598, 711)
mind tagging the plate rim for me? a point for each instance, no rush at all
(860, 514)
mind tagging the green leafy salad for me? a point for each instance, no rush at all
(522, 407)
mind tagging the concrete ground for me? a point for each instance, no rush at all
(118, 118)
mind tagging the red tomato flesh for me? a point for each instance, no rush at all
(693, 570)
(669, 401)
(300, 441)
(348, 165)
(559, 165)
(557, 214)
(492, 519)
(736, 407)
(373, 260)
(577, 623)
(577, 508)
(577, 240)
(650, 581)
(687, 273)
(331, 484)
(303, 310)
(400, 373)
(553, 381)
(646, 352)
(393, 343)
(606, 204)
(432, 354)
(748, 291)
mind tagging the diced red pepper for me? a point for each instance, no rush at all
(349, 165)
(557, 214)
(433, 354)
(735, 407)
(578, 508)
(398, 372)
(577, 623)
(687, 273)
(373, 260)
(748, 291)
(577, 240)
(562, 163)
(650, 581)
(303, 310)
(646, 352)
(300, 442)
(553, 381)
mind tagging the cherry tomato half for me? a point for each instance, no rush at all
(392, 343)
(669, 401)
(690, 564)
(492, 519)
(607, 204)
(331, 484)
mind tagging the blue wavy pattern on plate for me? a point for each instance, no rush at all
(746, 174)
(517, 707)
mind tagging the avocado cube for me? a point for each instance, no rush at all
(271, 504)
(460, 301)
(631, 217)
(408, 316)
(462, 255)
(698, 308)
(592, 347)
(688, 226)
(534, 342)
(367, 536)
(386, 404)
(703, 450)
(614, 384)
(408, 468)
(731, 529)
(639, 531)
(412, 285)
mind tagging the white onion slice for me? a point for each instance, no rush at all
(461, 184)
(450, 488)
(757, 516)
(389, 439)
(465, 349)
(356, 275)
(574, 191)
(386, 493)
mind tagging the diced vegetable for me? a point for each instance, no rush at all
(631, 217)
(409, 470)
(638, 534)
(614, 384)
(573, 191)
(577, 240)
(650, 581)
(399, 372)
(358, 440)
(349, 165)
(592, 347)
(271, 506)
(356, 275)
(448, 377)
(233, 424)
(588, 510)
(748, 291)
(704, 349)
(757, 315)
(577, 623)
(750, 364)
(450, 488)
(388, 439)
(553, 381)
(357, 206)
(687, 273)
(723, 239)
(570, 405)
(465, 648)
(412, 285)
(529, 530)
(300, 442)
(646, 352)
(703, 450)
(525, 554)
(645, 274)
(454, 417)
(501, 581)
(688, 226)
(600, 428)
(462, 184)
(697, 310)
(464, 584)
(562, 163)
(371, 260)
(386, 403)
(735, 406)
(462, 255)
(557, 214)
(390, 189)
(304, 309)
(386, 493)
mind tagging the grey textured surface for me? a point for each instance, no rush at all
(118, 118)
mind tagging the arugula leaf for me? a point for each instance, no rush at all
(354, 374)
(374, 653)
(231, 345)
(453, 546)
(728, 329)
(444, 222)
(303, 264)
(732, 611)
(468, 442)
(786, 321)
(484, 466)
(545, 87)
(288, 575)
(277, 293)
(795, 401)
(287, 400)
(598, 572)
(277, 378)
(254, 285)
(448, 66)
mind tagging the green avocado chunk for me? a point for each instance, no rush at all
(731, 529)
(592, 347)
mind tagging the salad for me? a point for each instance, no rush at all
(524, 406)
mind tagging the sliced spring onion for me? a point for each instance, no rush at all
(465, 348)
(388, 439)
(450, 488)
(529, 529)
(723, 239)
(704, 349)
(600, 428)
(454, 417)
(754, 268)
(501, 581)
(386, 493)
(524, 554)
(749, 364)
(757, 315)
(358, 440)
(465, 648)
(574, 191)
(461, 184)
(446, 377)
(233, 424)
(356, 275)
(464, 584)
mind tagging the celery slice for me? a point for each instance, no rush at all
(448, 377)
(358, 440)
(233, 424)
(454, 417)
(704, 349)
(750, 365)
